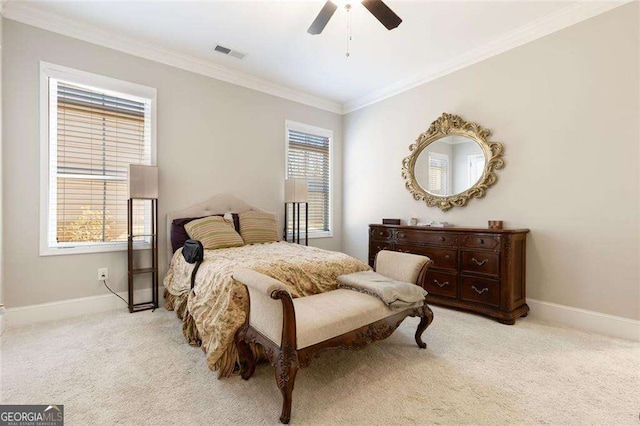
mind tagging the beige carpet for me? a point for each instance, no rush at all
(132, 369)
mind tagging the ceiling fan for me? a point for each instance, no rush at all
(381, 11)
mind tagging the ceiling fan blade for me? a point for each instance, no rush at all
(382, 13)
(323, 17)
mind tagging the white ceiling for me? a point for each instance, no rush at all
(273, 34)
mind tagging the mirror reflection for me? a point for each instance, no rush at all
(450, 165)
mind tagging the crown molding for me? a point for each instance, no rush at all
(554, 22)
(30, 15)
(566, 17)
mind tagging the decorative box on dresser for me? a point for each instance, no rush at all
(474, 269)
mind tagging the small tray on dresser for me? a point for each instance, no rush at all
(475, 269)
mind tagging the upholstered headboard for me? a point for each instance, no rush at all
(221, 203)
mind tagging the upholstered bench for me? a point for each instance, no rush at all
(293, 330)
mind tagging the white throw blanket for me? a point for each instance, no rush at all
(398, 295)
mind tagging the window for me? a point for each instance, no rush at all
(309, 157)
(92, 128)
(438, 173)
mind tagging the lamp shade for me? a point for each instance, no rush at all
(142, 181)
(295, 191)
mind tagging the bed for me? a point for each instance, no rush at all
(212, 313)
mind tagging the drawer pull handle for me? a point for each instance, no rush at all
(446, 256)
(380, 233)
(441, 284)
(442, 238)
(479, 291)
(401, 235)
(481, 241)
(479, 262)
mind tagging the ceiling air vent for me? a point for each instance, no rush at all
(229, 52)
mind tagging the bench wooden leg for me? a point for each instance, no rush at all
(247, 360)
(425, 319)
(286, 369)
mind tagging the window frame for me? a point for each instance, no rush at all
(447, 176)
(318, 131)
(103, 83)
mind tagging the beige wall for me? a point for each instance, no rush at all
(212, 137)
(1, 233)
(566, 109)
(561, 105)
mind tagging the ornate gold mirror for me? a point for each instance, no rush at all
(452, 162)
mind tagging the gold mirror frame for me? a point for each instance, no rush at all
(445, 125)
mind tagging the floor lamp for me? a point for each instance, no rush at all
(142, 184)
(296, 193)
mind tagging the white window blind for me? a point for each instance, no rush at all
(438, 174)
(308, 158)
(93, 135)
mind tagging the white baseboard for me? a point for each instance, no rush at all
(26, 315)
(581, 319)
(585, 320)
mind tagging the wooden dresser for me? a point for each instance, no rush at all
(479, 270)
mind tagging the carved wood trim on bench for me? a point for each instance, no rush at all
(287, 359)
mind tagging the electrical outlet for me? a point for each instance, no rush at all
(103, 274)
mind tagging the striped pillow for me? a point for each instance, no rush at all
(214, 232)
(257, 227)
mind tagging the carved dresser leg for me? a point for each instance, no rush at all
(286, 369)
(247, 360)
(425, 320)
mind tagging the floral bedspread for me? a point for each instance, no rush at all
(217, 307)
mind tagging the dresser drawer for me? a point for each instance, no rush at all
(476, 269)
(435, 238)
(441, 283)
(481, 262)
(483, 241)
(481, 290)
(380, 233)
(441, 257)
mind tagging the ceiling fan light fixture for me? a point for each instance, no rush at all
(345, 3)
(377, 8)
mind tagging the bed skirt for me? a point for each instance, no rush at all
(229, 362)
